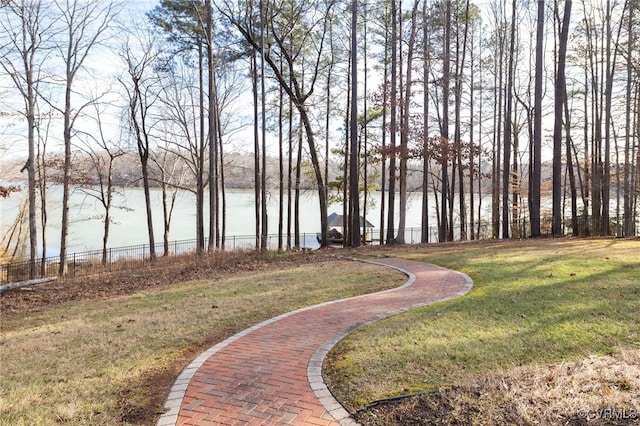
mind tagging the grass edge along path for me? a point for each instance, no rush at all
(534, 304)
(97, 361)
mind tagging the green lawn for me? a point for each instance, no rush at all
(533, 302)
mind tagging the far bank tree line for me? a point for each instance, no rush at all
(464, 93)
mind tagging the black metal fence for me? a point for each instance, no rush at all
(125, 258)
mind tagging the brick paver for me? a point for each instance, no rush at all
(270, 374)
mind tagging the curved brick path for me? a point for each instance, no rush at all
(270, 374)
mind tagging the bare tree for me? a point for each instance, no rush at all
(302, 57)
(85, 23)
(98, 180)
(187, 25)
(26, 28)
(170, 178)
(139, 56)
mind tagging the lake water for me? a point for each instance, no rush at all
(129, 227)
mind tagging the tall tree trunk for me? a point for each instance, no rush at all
(256, 150)
(424, 235)
(264, 235)
(586, 199)
(392, 123)
(536, 152)
(571, 172)
(365, 132)
(221, 222)
(560, 98)
(66, 179)
(42, 178)
(384, 154)
(213, 131)
(354, 163)
(26, 41)
(327, 124)
(444, 131)
(200, 178)
(346, 200)
(297, 190)
(472, 144)
(458, 101)
(404, 135)
(629, 218)
(497, 129)
(611, 64)
(281, 180)
(31, 170)
(290, 183)
(508, 124)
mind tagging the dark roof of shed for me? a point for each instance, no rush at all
(335, 219)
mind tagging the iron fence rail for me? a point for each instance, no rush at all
(125, 258)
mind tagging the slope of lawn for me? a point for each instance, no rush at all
(534, 304)
(112, 360)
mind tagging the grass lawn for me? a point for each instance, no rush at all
(534, 303)
(111, 361)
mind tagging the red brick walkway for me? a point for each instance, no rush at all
(271, 373)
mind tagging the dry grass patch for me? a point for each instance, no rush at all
(111, 360)
(601, 390)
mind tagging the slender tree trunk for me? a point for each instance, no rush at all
(221, 223)
(586, 200)
(497, 132)
(290, 176)
(508, 124)
(256, 150)
(462, 195)
(346, 198)
(629, 218)
(404, 135)
(472, 135)
(354, 163)
(263, 171)
(328, 109)
(385, 100)
(571, 172)
(281, 181)
(200, 178)
(213, 132)
(560, 95)
(424, 237)
(297, 190)
(31, 176)
(42, 173)
(535, 154)
(365, 133)
(443, 227)
(392, 123)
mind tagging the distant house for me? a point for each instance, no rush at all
(335, 223)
